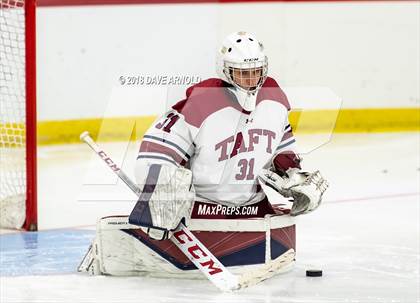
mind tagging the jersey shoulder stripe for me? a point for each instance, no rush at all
(212, 95)
(204, 99)
(272, 91)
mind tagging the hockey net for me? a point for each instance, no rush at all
(17, 119)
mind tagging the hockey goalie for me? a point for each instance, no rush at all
(207, 163)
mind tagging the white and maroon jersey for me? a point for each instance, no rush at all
(225, 146)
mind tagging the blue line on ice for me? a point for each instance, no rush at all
(42, 253)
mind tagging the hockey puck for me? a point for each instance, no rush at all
(314, 273)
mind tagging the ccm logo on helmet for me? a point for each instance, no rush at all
(251, 60)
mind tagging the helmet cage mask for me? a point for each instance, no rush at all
(254, 67)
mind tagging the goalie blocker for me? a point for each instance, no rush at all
(242, 244)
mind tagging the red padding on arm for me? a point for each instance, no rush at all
(286, 160)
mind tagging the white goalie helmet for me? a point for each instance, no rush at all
(242, 63)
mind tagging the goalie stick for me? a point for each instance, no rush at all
(194, 250)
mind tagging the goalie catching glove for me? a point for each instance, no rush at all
(166, 200)
(305, 188)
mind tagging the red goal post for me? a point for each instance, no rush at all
(18, 144)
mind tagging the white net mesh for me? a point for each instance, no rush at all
(12, 114)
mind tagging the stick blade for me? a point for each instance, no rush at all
(266, 271)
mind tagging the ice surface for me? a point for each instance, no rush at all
(365, 236)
